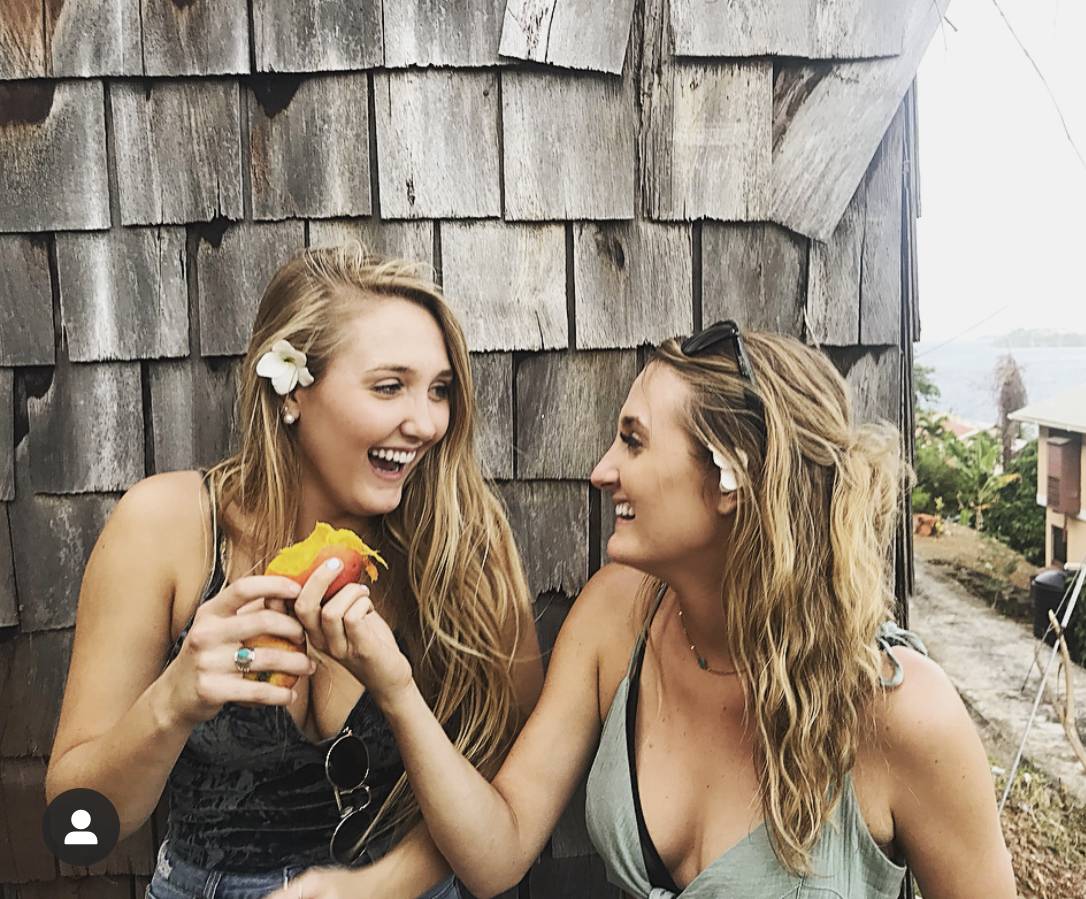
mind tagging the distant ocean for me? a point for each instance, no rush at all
(964, 374)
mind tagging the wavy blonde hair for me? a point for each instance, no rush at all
(809, 566)
(453, 566)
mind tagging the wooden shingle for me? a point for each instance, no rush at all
(53, 156)
(22, 41)
(309, 150)
(428, 33)
(26, 301)
(50, 545)
(437, 143)
(567, 410)
(7, 435)
(633, 283)
(113, 887)
(816, 29)
(818, 161)
(507, 284)
(854, 288)
(549, 520)
(568, 146)
(755, 274)
(231, 276)
(9, 601)
(317, 35)
(192, 411)
(578, 34)
(189, 38)
(874, 377)
(493, 375)
(413, 241)
(123, 293)
(86, 433)
(164, 178)
(23, 853)
(706, 140)
(30, 699)
(73, 39)
(880, 289)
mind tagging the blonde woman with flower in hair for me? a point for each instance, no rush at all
(752, 722)
(357, 409)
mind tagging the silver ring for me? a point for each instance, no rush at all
(243, 659)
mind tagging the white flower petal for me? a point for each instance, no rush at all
(304, 377)
(728, 479)
(284, 381)
(269, 365)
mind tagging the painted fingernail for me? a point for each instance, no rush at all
(333, 564)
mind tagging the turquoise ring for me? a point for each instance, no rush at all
(243, 659)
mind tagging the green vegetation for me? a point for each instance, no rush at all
(962, 480)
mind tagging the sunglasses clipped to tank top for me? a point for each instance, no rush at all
(347, 769)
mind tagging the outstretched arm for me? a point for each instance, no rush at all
(490, 833)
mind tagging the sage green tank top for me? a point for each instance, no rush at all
(846, 863)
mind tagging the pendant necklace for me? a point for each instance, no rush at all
(703, 663)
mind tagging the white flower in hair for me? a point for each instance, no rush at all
(285, 367)
(728, 480)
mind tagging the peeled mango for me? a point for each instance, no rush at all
(297, 562)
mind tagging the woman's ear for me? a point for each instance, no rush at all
(727, 502)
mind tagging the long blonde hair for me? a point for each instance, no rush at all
(453, 567)
(808, 574)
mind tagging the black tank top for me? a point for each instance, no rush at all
(248, 792)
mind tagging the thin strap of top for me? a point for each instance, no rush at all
(217, 575)
(654, 865)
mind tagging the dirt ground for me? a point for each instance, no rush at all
(1045, 828)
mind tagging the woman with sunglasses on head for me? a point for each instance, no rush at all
(357, 409)
(751, 721)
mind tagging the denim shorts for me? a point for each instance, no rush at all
(175, 878)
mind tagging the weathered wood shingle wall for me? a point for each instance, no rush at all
(586, 176)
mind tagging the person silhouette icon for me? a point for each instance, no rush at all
(81, 820)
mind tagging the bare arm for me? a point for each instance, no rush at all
(124, 720)
(491, 833)
(943, 799)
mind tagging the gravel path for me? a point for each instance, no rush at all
(987, 657)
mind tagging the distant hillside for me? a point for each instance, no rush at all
(1023, 337)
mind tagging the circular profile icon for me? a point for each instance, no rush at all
(81, 827)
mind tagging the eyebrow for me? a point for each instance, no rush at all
(632, 421)
(408, 370)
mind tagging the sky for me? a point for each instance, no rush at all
(1002, 235)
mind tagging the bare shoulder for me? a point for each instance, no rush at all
(923, 720)
(614, 596)
(606, 619)
(160, 522)
(174, 500)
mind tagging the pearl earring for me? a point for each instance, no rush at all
(289, 417)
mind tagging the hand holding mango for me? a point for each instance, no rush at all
(298, 561)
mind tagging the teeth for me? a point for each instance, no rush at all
(403, 457)
(624, 510)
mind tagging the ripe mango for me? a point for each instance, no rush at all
(297, 562)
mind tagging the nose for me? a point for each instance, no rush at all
(605, 475)
(420, 423)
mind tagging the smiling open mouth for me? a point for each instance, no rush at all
(390, 460)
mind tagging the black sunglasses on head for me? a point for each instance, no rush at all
(707, 341)
(718, 337)
(347, 768)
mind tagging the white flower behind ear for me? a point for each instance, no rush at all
(728, 480)
(285, 367)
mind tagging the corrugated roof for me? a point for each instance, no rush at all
(1066, 411)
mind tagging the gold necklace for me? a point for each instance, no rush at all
(703, 663)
